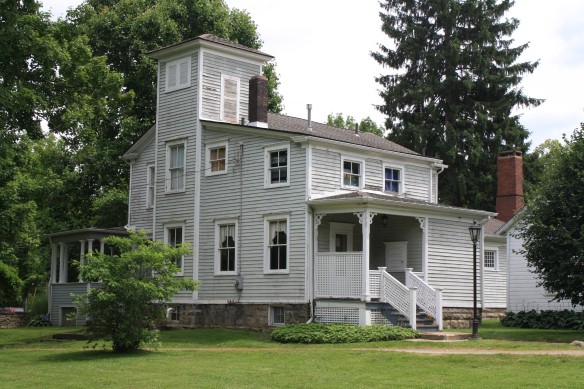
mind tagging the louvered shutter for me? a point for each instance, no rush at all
(230, 100)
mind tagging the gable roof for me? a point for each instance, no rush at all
(492, 226)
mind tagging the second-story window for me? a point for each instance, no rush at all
(216, 158)
(176, 167)
(277, 166)
(392, 180)
(352, 174)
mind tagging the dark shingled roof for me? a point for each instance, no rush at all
(319, 130)
(492, 226)
(217, 40)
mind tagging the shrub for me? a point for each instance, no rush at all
(556, 320)
(340, 333)
(39, 321)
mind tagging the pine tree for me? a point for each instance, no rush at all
(454, 85)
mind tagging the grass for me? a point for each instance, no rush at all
(219, 358)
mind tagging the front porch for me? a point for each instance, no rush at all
(370, 263)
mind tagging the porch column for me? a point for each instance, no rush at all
(366, 218)
(63, 262)
(101, 246)
(315, 265)
(81, 257)
(90, 246)
(53, 279)
(424, 226)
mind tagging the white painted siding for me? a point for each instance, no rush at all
(326, 171)
(241, 194)
(61, 297)
(177, 119)
(496, 279)
(417, 184)
(213, 67)
(524, 294)
(140, 216)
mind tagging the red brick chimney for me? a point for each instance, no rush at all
(258, 101)
(509, 184)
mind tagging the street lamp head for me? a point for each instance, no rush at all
(474, 229)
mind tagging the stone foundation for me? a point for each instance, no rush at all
(255, 316)
(13, 320)
(462, 317)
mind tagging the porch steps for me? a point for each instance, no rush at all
(424, 322)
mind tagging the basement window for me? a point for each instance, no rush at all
(277, 316)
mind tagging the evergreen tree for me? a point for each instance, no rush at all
(454, 85)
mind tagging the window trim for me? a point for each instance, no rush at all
(168, 183)
(208, 148)
(237, 98)
(177, 62)
(267, 221)
(361, 174)
(217, 254)
(495, 266)
(267, 151)
(150, 185)
(402, 180)
(272, 316)
(334, 228)
(167, 227)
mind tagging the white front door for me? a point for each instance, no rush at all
(396, 256)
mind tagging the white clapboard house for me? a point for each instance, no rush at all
(290, 220)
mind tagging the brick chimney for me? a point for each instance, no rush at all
(509, 184)
(258, 102)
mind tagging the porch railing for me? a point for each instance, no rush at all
(427, 298)
(339, 275)
(398, 295)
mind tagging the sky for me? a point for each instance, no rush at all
(323, 47)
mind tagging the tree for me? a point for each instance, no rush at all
(275, 99)
(365, 125)
(454, 87)
(553, 225)
(134, 283)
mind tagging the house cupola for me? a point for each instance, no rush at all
(258, 101)
(509, 184)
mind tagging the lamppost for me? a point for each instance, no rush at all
(475, 231)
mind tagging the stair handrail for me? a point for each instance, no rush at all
(402, 298)
(427, 298)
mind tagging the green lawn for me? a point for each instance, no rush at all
(219, 358)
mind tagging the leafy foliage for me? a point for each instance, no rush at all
(553, 226)
(126, 306)
(454, 86)
(340, 333)
(275, 99)
(365, 125)
(39, 321)
(557, 320)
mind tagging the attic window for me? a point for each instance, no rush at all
(178, 74)
(229, 99)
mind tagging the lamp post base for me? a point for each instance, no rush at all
(475, 329)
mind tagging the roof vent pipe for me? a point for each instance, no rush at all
(309, 109)
(356, 128)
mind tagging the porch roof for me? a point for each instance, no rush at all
(86, 233)
(385, 200)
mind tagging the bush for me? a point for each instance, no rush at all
(39, 321)
(340, 333)
(554, 320)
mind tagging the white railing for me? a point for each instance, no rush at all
(427, 298)
(375, 284)
(398, 295)
(339, 275)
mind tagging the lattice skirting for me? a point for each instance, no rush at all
(337, 315)
(377, 317)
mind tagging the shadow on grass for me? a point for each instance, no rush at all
(92, 355)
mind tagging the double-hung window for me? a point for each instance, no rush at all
(490, 260)
(150, 179)
(178, 74)
(392, 179)
(175, 177)
(216, 158)
(226, 247)
(174, 236)
(277, 166)
(277, 240)
(352, 173)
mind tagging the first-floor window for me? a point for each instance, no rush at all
(227, 248)
(174, 238)
(490, 259)
(277, 245)
(150, 186)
